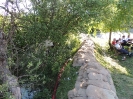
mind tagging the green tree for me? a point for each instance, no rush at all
(58, 21)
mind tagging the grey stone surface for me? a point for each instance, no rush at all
(93, 81)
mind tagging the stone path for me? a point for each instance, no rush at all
(93, 81)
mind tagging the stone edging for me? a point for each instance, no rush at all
(93, 81)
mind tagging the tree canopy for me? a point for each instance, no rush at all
(59, 21)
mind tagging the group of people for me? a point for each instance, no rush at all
(121, 42)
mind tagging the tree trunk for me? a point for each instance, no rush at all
(110, 45)
(6, 76)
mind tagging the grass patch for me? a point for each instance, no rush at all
(67, 81)
(121, 71)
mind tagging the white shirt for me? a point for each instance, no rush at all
(127, 39)
(117, 46)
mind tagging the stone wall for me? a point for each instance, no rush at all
(93, 81)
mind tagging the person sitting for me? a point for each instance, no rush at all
(114, 42)
(128, 38)
(123, 41)
(120, 40)
(119, 48)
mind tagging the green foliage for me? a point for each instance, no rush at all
(44, 94)
(1, 22)
(40, 66)
(59, 21)
(67, 82)
(4, 94)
